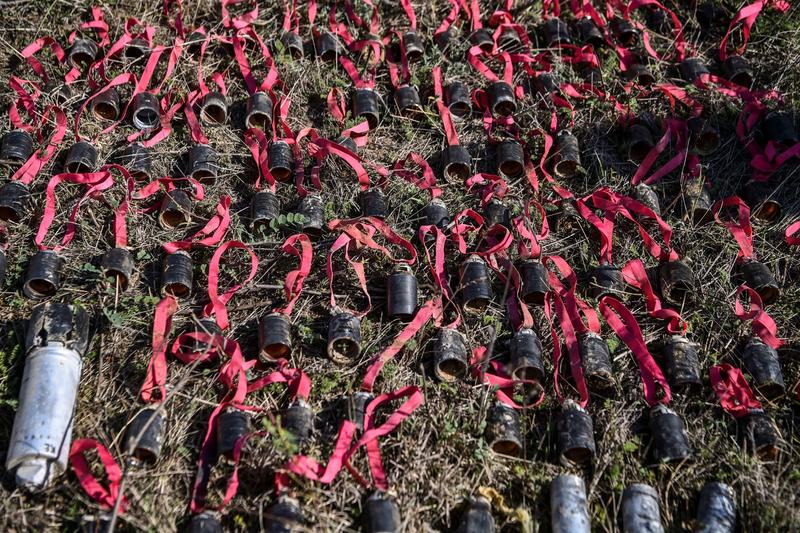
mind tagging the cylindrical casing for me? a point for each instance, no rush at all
(204, 522)
(450, 355)
(606, 280)
(567, 158)
(175, 210)
(281, 160)
(57, 337)
(298, 421)
(510, 158)
(15, 201)
(668, 443)
(575, 435)
(758, 276)
(136, 48)
(344, 338)
(592, 75)
(509, 41)
(177, 275)
(327, 46)
(214, 108)
(759, 435)
(292, 43)
(596, 361)
(401, 293)
(264, 208)
(779, 127)
(17, 147)
(136, 159)
(716, 509)
(98, 523)
(568, 508)
(762, 362)
(145, 111)
(82, 53)
(117, 265)
(656, 19)
(367, 105)
(640, 73)
(274, 337)
(759, 196)
(194, 41)
(483, 38)
(546, 83)
(232, 424)
(435, 213)
(503, 430)
(697, 202)
(535, 282)
(639, 142)
(647, 195)
(676, 280)
(151, 425)
(442, 40)
(355, 406)
(203, 163)
(43, 277)
(373, 203)
(496, 212)
(692, 68)
(456, 96)
(207, 326)
(81, 158)
(588, 32)
(477, 518)
(283, 516)
(457, 163)
(737, 70)
(311, 208)
(475, 287)
(704, 135)
(525, 351)
(413, 45)
(407, 100)
(682, 365)
(106, 105)
(502, 101)
(381, 514)
(625, 33)
(556, 32)
(640, 513)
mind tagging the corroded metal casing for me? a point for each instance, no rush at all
(56, 341)
(759, 277)
(647, 196)
(177, 275)
(144, 436)
(381, 514)
(697, 203)
(292, 43)
(625, 33)
(367, 105)
(214, 108)
(16, 148)
(205, 522)
(692, 68)
(82, 53)
(510, 158)
(327, 46)
(503, 430)
(312, 209)
(569, 512)
(413, 45)
(481, 37)
(298, 421)
(373, 203)
(136, 159)
(203, 163)
(676, 281)
(281, 160)
(450, 355)
(596, 361)
(117, 267)
(567, 159)
(475, 286)
(640, 512)
(407, 100)
(535, 282)
(457, 163)
(575, 435)
(15, 201)
(525, 353)
(639, 142)
(264, 208)
(716, 509)
(355, 407)
(556, 32)
(457, 99)
(762, 363)
(284, 516)
(401, 293)
(760, 197)
(779, 127)
(105, 106)
(738, 70)
(43, 277)
(682, 365)
(496, 212)
(435, 213)
(606, 280)
(232, 424)
(344, 338)
(668, 443)
(759, 435)
(502, 100)
(175, 210)
(704, 136)
(274, 337)
(588, 32)
(477, 518)
(259, 111)
(81, 158)
(145, 111)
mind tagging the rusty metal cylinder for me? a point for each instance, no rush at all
(81, 158)
(716, 509)
(105, 106)
(596, 362)
(367, 105)
(704, 136)
(759, 277)
(204, 326)
(474, 284)
(697, 203)
(284, 516)
(177, 275)
(407, 100)
(692, 68)
(496, 212)
(640, 73)
(567, 159)
(204, 522)
(298, 422)
(264, 208)
(144, 436)
(401, 293)
(682, 365)
(15, 201)
(509, 41)
(779, 127)
(668, 440)
(640, 512)
(676, 281)
(639, 142)
(450, 355)
(760, 197)
(117, 267)
(555, 32)
(314, 212)
(482, 38)
(457, 163)
(589, 33)
(232, 424)
(214, 108)
(575, 435)
(145, 111)
(624, 32)
(737, 69)
(292, 43)
(457, 99)
(136, 49)
(535, 282)
(762, 363)
(648, 197)
(606, 280)
(381, 514)
(510, 158)
(175, 210)
(274, 337)
(328, 47)
(16, 148)
(203, 163)
(136, 159)
(525, 354)
(413, 45)
(759, 435)
(502, 101)
(434, 214)
(82, 53)
(344, 338)
(43, 277)
(281, 160)
(477, 518)
(373, 203)
(504, 430)
(355, 407)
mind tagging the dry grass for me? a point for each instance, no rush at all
(438, 457)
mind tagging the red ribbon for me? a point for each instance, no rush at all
(293, 285)
(732, 390)
(741, 231)
(762, 324)
(106, 497)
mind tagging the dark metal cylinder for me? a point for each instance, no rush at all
(697, 202)
(274, 337)
(556, 32)
(641, 74)
(204, 522)
(194, 41)
(676, 281)
(606, 280)
(569, 512)
(450, 355)
(596, 360)
(504, 430)
(176, 209)
(442, 41)
(525, 350)
(759, 196)
(682, 365)
(177, 275)
(762, 362)
(17, 147)
(136, 48)
(535, 282)
(298, 421)
(639, 142)
(136, 159)
(203, 163)
(509, 41)
(15, 201)
(704, 135)
(366, 105)
(496, 212)
(344, 338)
(567, 159)
(81, 158)
(575, 435)
(668, 443)
(144, 436)
(401, 293)
(206, 326)
(117, 266)
(82, 53)
(457, 163)
(413, 45)
(457, 99)
(373, 203)
(435, 213)
(510, 158)
(779, 127)
(692, 68)
(647, 196)
(475, 286)
(501, 98)
(327, 47)
(381, 514)
(546, 84)
(759, 435)
(214, 108)
(716, 509)
(43, 277)
(145, 111)
(588, 32)
(483, 38)
(106, 105)
(624, 32)
(738, 70)
(640, 513)
(758, 276)
(292, 43)
(477, 518)
(656, 19)
(312, 209)
(281, 160)
(232, 424)
(407, 100)
(284, 516)
(264, 208)
(355, 406)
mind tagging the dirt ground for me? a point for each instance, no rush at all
(438, 457)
